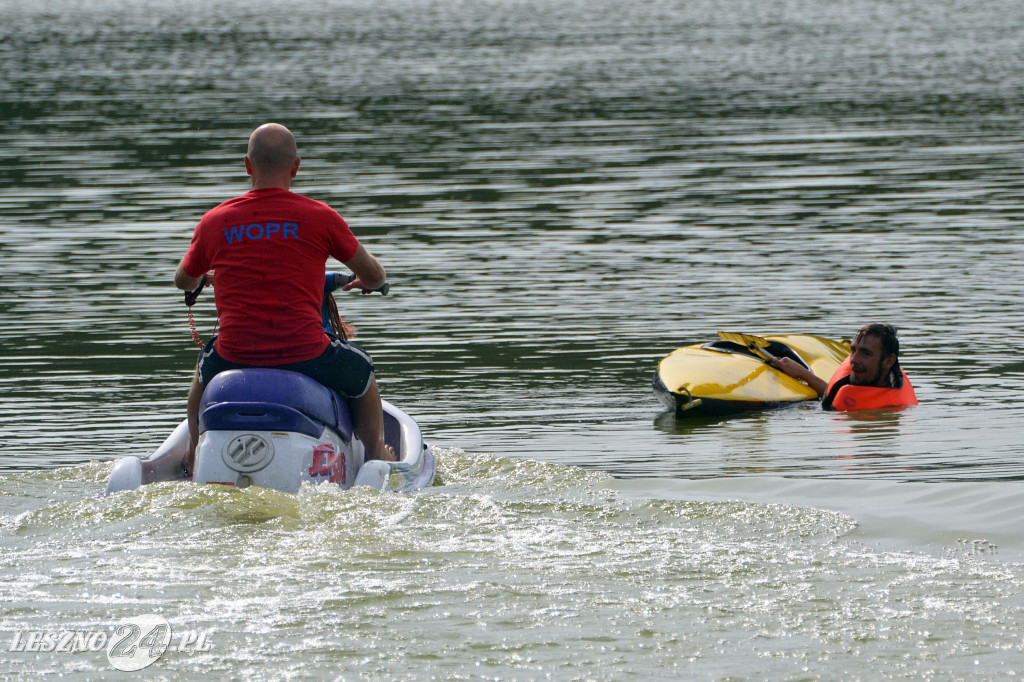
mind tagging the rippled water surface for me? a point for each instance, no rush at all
(562, 193)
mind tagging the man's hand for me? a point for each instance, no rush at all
(797, 371)
(355, 283)
(790, 367)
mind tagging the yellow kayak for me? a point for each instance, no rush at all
(732, 374)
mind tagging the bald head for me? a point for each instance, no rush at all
(272, 149)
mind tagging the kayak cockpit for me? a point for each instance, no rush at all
(774, 348)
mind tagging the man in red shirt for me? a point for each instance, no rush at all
(269, 248)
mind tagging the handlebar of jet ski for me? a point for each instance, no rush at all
(340, 280)
(192, 296)
(333, 281)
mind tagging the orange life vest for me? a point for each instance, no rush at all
(850, 397)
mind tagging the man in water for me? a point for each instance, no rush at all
(874, 361)
(268, 248)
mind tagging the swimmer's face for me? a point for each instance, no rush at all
(868, 364)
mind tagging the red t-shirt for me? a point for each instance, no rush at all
(268, 249)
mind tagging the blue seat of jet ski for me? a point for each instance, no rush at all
(268, 389)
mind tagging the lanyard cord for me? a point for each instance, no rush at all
(190, 299)
(192, 326)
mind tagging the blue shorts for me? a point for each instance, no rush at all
(344, 366)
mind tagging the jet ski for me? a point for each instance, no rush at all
(279, 429)
(733, 374)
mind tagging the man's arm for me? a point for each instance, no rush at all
(798, 371)
(369, 272)
(187, 282)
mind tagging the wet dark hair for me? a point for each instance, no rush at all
(886, 333)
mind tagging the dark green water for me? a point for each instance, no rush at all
(562, 193)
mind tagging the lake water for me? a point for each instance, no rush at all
(562, 193)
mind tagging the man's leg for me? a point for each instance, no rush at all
(368, 424)
(348, 369)
(195, 396)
